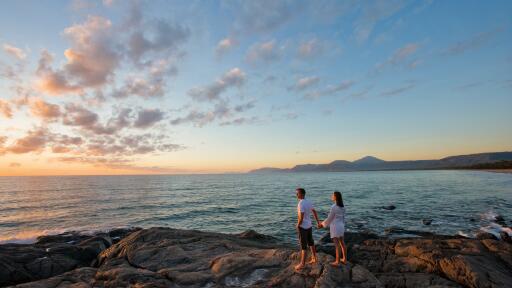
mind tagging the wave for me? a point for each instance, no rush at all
(29, 237)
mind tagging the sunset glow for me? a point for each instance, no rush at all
(135, 87)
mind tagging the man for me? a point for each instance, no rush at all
(304, 228)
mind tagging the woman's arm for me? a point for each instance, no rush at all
(329, 219)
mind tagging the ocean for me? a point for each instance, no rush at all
(458, 202)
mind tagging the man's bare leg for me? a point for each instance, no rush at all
(314, 258)
(302, 263)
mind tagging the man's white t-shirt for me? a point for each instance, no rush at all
(306, 207)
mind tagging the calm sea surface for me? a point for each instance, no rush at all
(31, 206)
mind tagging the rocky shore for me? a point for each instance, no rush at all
(164, 257)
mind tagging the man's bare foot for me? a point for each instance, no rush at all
(312, 261)
(335, 264)
(343, 261)
(299, 267)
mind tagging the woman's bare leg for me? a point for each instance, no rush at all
(343, 250)
(335, 241)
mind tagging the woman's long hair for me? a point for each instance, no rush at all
(339, 199)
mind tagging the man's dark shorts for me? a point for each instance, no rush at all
(306, 238)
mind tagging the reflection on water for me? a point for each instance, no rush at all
(457, 201)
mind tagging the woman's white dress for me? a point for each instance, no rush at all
(336, 221)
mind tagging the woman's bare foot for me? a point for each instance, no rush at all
(312, 261)
(299, 267)
(335, 264)
(343, 261)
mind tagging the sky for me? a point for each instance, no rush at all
(165, 87)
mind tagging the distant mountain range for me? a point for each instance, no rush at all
(370, 163)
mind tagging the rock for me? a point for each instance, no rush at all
(253, 235)
(426, 221)
(505, 237)
(389, 207)
(49, 256)
(481, 235)
(500, 220)
(449, 262)
(164, 257)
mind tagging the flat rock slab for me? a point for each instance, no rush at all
(164, 257)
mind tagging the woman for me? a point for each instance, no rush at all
(336, 222)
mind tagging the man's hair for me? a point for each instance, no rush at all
(301, 191)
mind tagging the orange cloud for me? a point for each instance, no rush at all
(5, 109)
(44, 109)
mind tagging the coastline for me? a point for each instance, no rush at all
(504, 171)
(165, 257)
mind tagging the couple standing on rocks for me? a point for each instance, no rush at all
(335, 220)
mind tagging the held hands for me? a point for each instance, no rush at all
(319, 226)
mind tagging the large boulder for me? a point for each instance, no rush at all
(50, 256)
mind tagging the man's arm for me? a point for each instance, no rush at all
(316, 216)
(300, 218)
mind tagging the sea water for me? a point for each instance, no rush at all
(458, 202)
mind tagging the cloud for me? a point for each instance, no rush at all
(233, 78)
(399, 90)
(14, 165)
(310, 49)
(90, 61)
(5, 109)
(244, 107)
(330, 90)
(225, 45)
(240, 121)
(45, 110)
(117, 163)
(14, 51)
(165, 36)
(263, 52)
(221, 111)
(399, 57)
(304, 83)
(153, 85)
(262, 16)
(34, 141)
(373, 12)
(50, 81)
(471, 43)
(148, 117)
(77, 115)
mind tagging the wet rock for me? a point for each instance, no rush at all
(49, 256)
(253, 235)
(499, 219)
(505, 237)
(481, 235)
(426, 221)
(389, 207)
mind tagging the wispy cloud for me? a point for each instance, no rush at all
(263, 52)
(473, 42)
(262, 16)
(397, 91)
(401, 56)
(304, 83)
(224, 46)
(232, 78)
(310, 49)
(373, 12)
(330, 90)
(14, 51)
